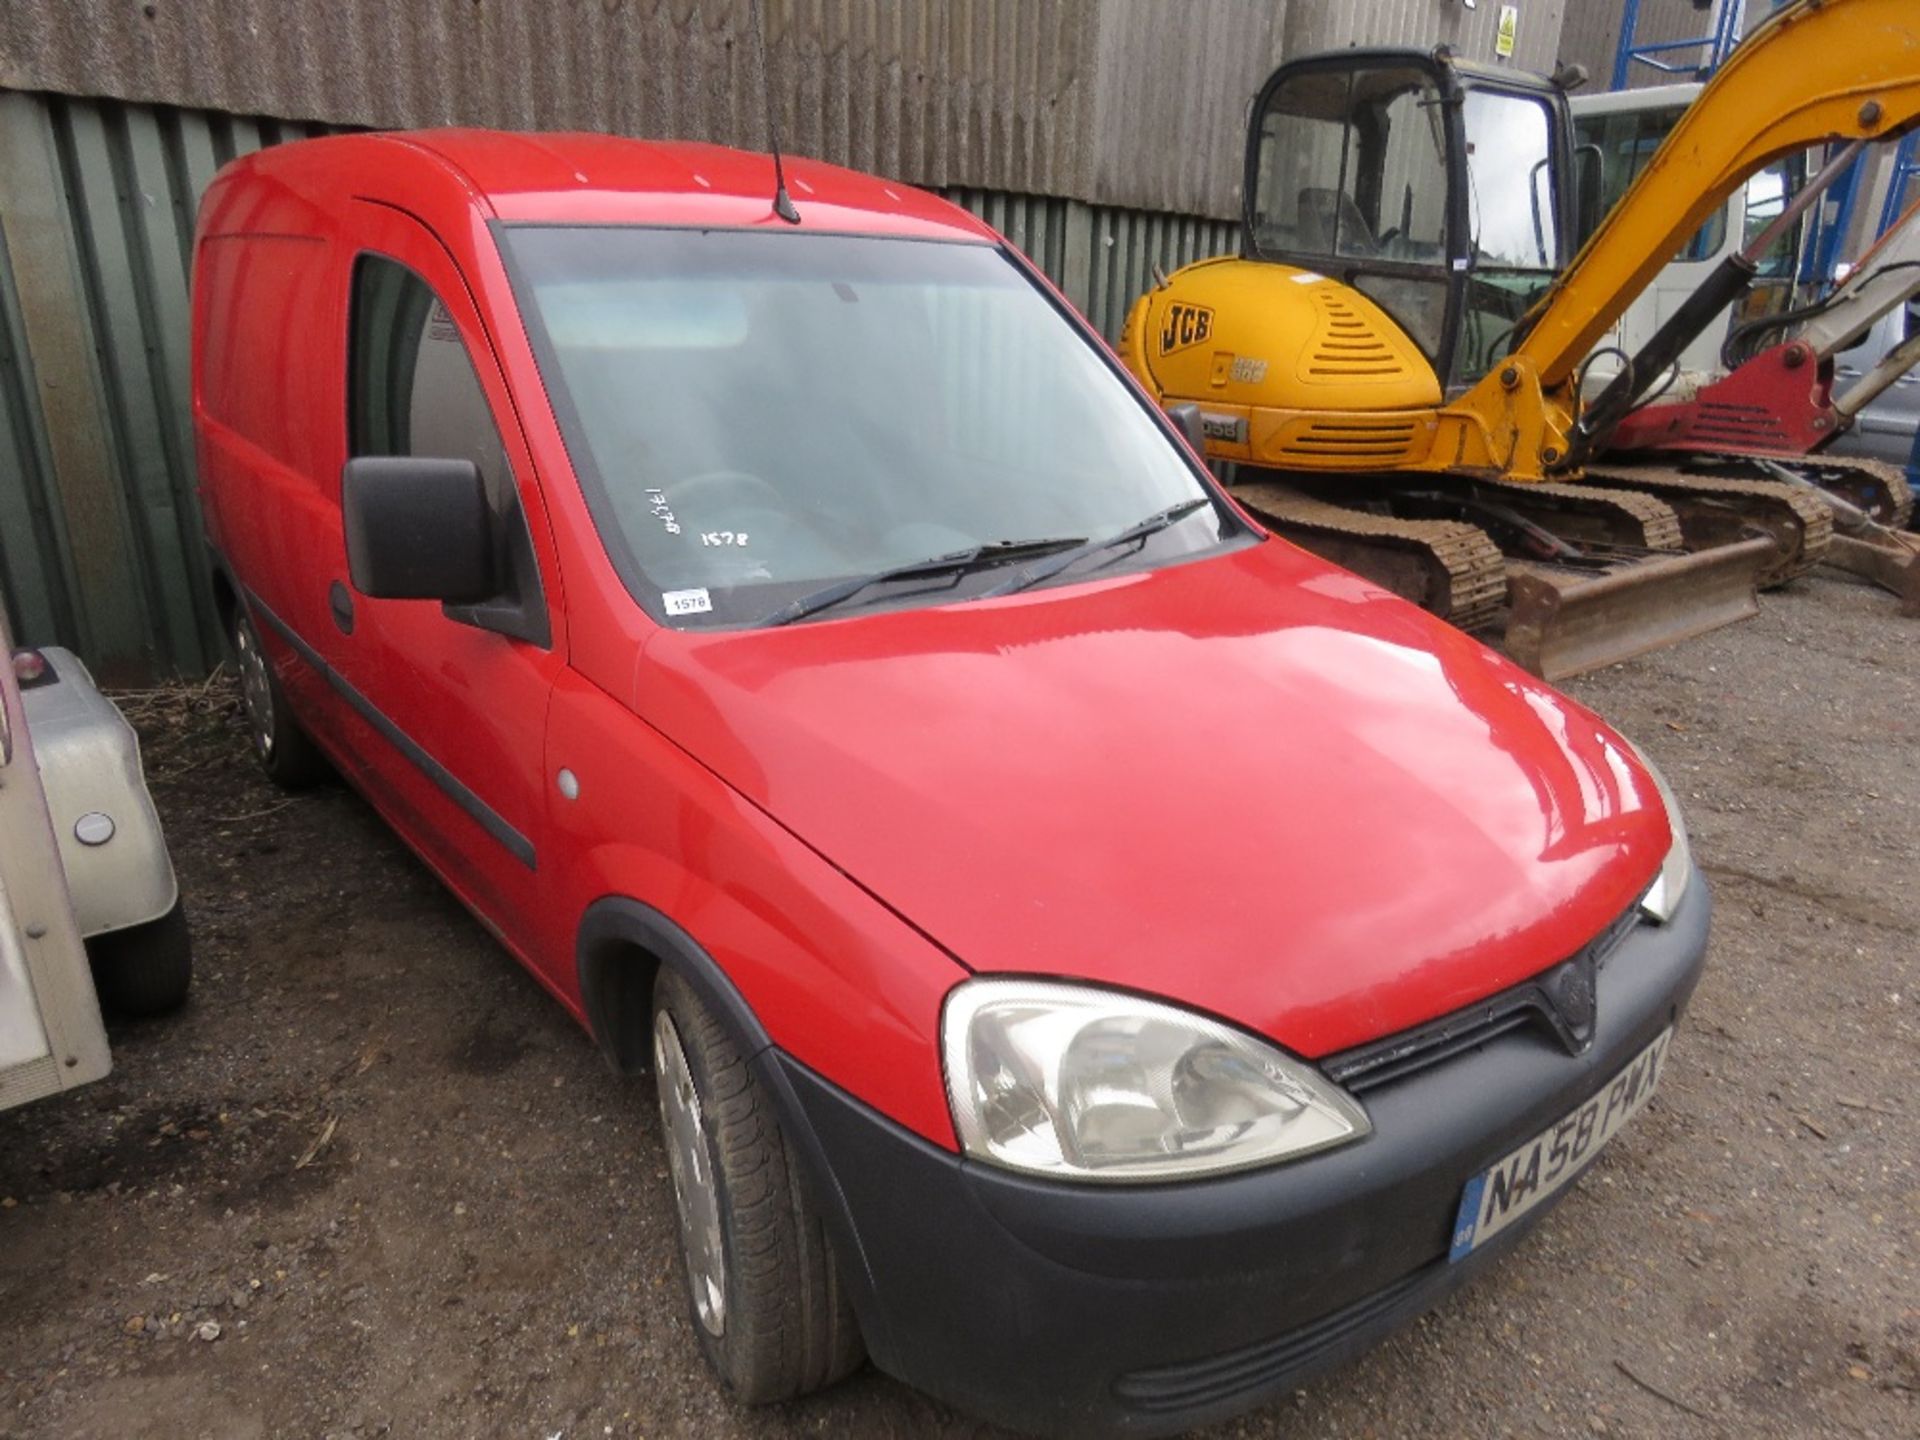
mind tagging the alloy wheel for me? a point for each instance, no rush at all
(695, 1191)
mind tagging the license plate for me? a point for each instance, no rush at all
(1504, 1192)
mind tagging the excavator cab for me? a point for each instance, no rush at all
(1440, 190)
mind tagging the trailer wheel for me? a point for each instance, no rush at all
(144, 969)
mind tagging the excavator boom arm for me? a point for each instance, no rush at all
(1818, 70)
(1886, 276)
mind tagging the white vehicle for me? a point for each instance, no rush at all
(1886, 418)
(51, 1038)
(126, 901)
(1620, 130)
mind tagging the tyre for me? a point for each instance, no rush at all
(763, 1284)
(144, 969)
(290, 759)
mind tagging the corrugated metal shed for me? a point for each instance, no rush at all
(995, 94)
(99, 527)
(1108, 101)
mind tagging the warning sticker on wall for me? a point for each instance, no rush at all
(1503, 37)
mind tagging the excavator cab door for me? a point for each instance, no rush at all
(1438, 190)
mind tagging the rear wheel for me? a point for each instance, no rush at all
(144, 969)
(762, 1280)
(290, 759)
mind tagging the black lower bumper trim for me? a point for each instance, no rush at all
(1178, 1389)
(1144, 1310)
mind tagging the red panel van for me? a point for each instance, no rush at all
(1094, 958)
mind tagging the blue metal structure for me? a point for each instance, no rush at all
(1711, 48)
(1828, 225)
(1901, 187)
(1822, 254)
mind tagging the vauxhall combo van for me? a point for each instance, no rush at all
(1094, 959)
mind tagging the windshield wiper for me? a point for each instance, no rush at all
(1133, 534)
(955, 563)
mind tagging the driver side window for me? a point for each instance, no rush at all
(412, 390)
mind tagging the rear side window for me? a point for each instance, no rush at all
(412, 390)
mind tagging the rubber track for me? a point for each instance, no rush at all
(1890, 479)
(1476, 571)
(1657, 525)
(1899, 488)
(1751, 496)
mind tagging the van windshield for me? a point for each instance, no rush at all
(757, 417)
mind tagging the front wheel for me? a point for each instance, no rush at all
(762, 1280)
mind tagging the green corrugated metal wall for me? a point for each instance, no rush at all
(99, 526)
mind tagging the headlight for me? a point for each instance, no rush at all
(1677, 869)
(1086, 1084)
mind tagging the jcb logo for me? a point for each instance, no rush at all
(1185, 325)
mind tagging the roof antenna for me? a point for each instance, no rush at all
(782, 202)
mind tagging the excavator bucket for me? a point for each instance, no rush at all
(1563, 622)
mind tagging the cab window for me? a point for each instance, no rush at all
(412, 390)
(1626, 141)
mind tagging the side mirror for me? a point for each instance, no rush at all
(417, 529)
(1187, 416)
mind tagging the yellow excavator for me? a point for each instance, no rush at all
(1393, 364)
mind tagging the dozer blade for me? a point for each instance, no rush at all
(1564, 622)
(1889, 558)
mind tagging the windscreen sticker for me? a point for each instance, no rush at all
(723, 537)
(663, 512)
(686, 602)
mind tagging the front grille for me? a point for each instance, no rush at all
(1546, 1001)
(1173, 1389)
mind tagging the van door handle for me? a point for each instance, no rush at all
(340, 602)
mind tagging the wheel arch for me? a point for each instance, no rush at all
(226, 595)
(620, 947)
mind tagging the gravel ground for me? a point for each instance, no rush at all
(372, 1181)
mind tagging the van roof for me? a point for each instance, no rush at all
(583, 178)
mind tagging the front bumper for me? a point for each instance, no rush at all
(1144, 1310)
